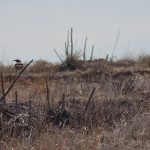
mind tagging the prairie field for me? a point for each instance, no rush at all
(96, 105)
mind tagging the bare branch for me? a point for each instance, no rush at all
(89, 101)
(58, 55)
(11, 86)
(84, 52)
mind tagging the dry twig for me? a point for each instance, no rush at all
(11, 86)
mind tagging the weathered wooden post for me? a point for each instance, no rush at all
(47, 95)
(3, 89)
(16, 102)
(30, 113)
(1, 122)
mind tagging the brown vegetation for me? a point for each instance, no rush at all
(98, 105)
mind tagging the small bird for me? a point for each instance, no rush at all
(19, 64)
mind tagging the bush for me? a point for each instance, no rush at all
(72, 57)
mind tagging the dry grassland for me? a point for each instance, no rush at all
(98, 106)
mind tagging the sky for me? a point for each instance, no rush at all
(31, 29)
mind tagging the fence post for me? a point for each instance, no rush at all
(47, 96)
(3, 90)
(1, 122)
(30, 113)
(16, 102)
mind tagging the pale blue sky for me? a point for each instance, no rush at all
(31, 29)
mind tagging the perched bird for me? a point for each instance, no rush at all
(19, 64)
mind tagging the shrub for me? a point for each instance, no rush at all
(72, 56)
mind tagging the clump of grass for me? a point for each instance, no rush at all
(42, 66)
(72, 56)
(145, 59)
(124, 63)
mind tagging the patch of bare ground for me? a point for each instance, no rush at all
(99, 105)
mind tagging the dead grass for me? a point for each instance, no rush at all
(145, 59)
(117, 117)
